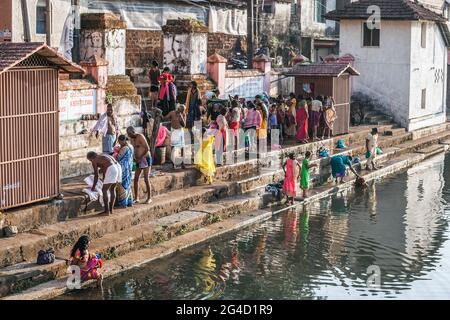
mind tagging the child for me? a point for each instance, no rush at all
(304, 179)
(291, 170)
(89, 263)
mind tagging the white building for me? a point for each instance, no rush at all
(403, 62)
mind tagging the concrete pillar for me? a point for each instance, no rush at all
(263, 64)
(185, 46)
(104, 35)
(217, 70)
(97, 69)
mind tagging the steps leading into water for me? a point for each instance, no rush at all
(178, 211)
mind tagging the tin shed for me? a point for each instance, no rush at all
(29, 122)
(328, 79)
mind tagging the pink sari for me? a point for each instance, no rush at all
(290, 180)
(302, 124)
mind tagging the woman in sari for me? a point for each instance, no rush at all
(291, 173)
(125, 159)
(262, 131)
(204, 158)
(89, 263)
(302, 122)
(290, 117)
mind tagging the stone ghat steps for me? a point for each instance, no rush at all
(25, 275)
(25, 245)
(179, 236)
(73, 205)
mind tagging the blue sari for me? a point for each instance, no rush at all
(125, 198)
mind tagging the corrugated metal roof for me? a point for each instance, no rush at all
(12, 53)
(322, 69)
(389, 10)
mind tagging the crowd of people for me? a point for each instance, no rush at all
(224, 124)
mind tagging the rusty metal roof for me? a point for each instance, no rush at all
(12, 53)
(322, 69)
(389, 10)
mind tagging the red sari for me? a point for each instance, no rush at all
(290, 180)
(302, 124)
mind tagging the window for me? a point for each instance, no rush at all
(267, 8)
(41, 19)
(447, 11)
(319, 10)
(423, 37)
(371, 37)
(424, 98)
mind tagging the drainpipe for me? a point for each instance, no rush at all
(26, 22)
(250, 31)
(76, 31)
(48, 22)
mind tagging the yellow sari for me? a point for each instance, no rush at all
(204, 159)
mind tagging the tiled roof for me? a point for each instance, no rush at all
(12, 53)
(389, 10)
(322, 69)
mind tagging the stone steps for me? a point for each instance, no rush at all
(126, 238)
(73, 205)
(113, 245)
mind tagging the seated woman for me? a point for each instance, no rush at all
(88, 263)
(339, 167)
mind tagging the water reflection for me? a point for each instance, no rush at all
(321, 250)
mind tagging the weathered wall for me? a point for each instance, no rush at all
(186, 53)
(309, 27)
(225, 44)
(142, 46)
(245, 83)
(428, 71)
(108, 44)
(5, 20)
(60, 11)
(385, 71)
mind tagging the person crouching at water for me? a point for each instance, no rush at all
(89, 263)
(143, 162)
(339, 167)
(291, 171)
(112, 175)
(304, 179)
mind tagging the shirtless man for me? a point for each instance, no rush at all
(143, 161)
(112, 174)
(177, 124)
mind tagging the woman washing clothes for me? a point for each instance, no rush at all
(89, 263)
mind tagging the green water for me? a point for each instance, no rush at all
(323, 251)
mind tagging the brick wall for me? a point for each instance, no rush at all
(142, 47)
(145, 45)
(224, 44)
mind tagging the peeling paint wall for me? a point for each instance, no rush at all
(60, 11)
(108, 44)
(186, 53)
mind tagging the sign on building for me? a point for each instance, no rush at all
(74, 103)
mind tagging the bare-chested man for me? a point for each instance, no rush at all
(143, 161)
(177, 124)
(112, 175)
